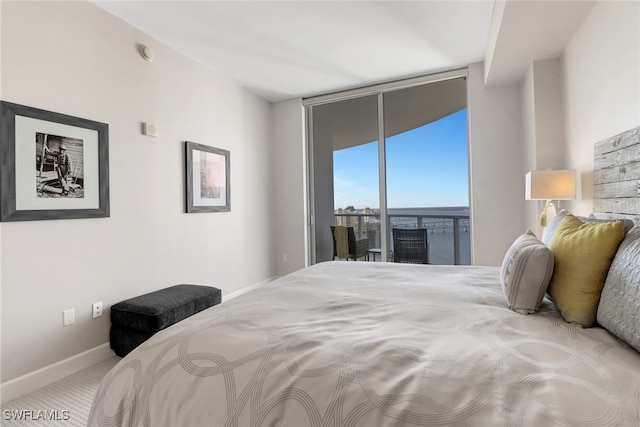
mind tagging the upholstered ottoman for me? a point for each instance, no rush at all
(135, 320)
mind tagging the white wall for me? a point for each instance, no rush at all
(74, 58)
(549, 114)
(590, 93)
(543, 127)
(601, 81)
(529, 142)
(497, 173)
(1, 245)
(289, 186)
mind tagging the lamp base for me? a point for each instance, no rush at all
(548, 214)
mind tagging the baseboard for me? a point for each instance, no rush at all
(232, 295)
(42, 377)
(27, 383)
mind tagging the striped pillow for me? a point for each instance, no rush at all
(526, 271)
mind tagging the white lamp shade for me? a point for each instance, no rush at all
(550, 185)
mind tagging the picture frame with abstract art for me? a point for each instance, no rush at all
(208, 178)
(52, 165)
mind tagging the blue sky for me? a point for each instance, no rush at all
(426, 167)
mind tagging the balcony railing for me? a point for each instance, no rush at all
(449, 232)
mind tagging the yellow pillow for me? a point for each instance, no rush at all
(582, 254)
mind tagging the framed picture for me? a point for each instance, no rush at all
(53, 166)
(208, 179)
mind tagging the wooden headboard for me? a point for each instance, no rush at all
(616, 179)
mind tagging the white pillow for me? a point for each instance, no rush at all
(526, 271)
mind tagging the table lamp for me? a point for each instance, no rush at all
(550, 185)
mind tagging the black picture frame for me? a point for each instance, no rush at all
(208, 178)
(29, 193)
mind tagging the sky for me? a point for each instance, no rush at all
(426, 167)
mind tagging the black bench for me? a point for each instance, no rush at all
(135, 320)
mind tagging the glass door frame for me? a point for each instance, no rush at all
(378, 90)
(382, 184)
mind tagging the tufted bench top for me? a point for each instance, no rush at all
(135, 320)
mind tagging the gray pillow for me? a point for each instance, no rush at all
(619, 307)
(629, 218)
(526, 271)
(550, 230)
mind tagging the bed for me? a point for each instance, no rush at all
(375, 344)
(383, 344)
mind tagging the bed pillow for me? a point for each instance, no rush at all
(619, 308)
(583, 253)
(629, 219)
(550, 230)
(526, 270)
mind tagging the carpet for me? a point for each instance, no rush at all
(64, 403)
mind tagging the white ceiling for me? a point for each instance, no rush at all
(290, 49)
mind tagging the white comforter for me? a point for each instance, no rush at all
(374, 344)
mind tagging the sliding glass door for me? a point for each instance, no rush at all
(394, 158)
(345, 172)
(427, 166)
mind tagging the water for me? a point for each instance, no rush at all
(439, 221)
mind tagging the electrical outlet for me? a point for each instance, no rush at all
(68, 317)
(97, 309)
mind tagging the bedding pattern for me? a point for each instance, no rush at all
(374, 344)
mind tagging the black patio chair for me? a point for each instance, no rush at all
(357, 247)
(410, 246)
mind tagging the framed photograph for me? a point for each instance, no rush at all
(208, 179)
(53, 166)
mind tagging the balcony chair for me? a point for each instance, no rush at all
(410, 245)
(353, 249)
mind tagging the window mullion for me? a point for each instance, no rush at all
(382, 174)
